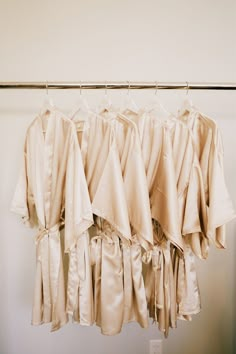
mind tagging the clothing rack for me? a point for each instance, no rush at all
(119, 85)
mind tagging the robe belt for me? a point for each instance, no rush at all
(48, 246)
(161, 260)
(153, 255)
(43, 231)
(106, 235)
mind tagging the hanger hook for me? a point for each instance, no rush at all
(80, 90)
(156, 87)
(128, 87)
(105, 88)
(187, 87)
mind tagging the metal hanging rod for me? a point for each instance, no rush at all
(119, 85)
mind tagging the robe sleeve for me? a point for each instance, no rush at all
(193, 215)
(191, 222)
(23, 201)
(78, 210)
(219, 204)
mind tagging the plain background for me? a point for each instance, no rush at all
(148, 40)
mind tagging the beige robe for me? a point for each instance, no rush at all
(134, 307)
(190, 191)
(159, 168)
(106, 188)
(187, 179)
(209, 148)
(52, 191)
(137, 196)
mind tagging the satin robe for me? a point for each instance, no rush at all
(52, 192)
(190, 193)
(134, 307)
(133, 169)
(189, 190)
(106, 188)
(158, 161)
(209, 148)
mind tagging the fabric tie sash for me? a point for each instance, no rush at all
(48, 250)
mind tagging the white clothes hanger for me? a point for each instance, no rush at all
(48, 103)
(106, 103)
(157, 111)
(128, 102)
(187, 105)
(82, 109)
(157, 106)
(46, 109)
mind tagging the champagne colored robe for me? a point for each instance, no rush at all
(190, 191)
(135, 306)
(209, 148)
(106, 188)
(188, 182)
(158, 161)
(137, 196)
(52, 191)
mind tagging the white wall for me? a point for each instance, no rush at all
(112, 40)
